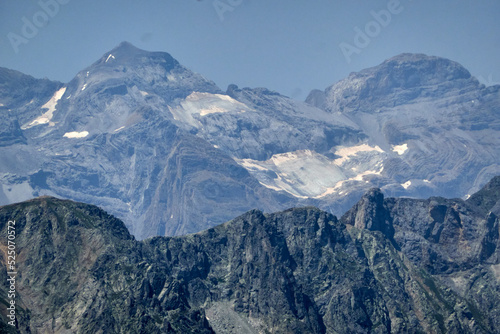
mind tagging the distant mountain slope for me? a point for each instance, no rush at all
(388, 266)
(441, 124)
(170, 153)
(20, 97)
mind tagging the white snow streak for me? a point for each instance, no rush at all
(203, 104)
(302, 174)
(75, 134)
(358, 178)
(346, 152)
(400, 149)
(308, 174)
(47, 116)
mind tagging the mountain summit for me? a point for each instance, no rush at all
(125, 85)
(164, 149)
(429, 111)
(153, 72)
(397, 81)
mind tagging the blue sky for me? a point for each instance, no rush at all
(289, 46)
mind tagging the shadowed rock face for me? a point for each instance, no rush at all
(488, 198)
(388, 266)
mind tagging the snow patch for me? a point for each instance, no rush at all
(308, 174)
(143, 93)
(120, 128)
(400, 149)
(1, 105)
(110, 57)
(302, 174)
(251, 165)
(47, 116)
(406, 185)
(356, 178)
(329, 191)
(75, 134)
(283, 158)
(203, 104)
(279, 189)
(213, 103)
(171, 77)
(84, 86)
(346, 152)
(212, 110)
(427, 181)
(88, 74)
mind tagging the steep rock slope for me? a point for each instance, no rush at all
(439, 122)
(170, 153)
(388, 266)
(81, 271)
(155, 144)
(110, 137)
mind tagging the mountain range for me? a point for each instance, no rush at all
(169, 153)
(388, 265)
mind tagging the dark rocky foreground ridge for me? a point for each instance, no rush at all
(387, 266)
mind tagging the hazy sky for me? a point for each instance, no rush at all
(290, 46)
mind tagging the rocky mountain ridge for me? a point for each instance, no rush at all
(387, 266)
(432, 113)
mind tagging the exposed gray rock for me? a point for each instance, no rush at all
(438, 120)
(388, 266)
(170, 153)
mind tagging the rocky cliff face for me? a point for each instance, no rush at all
(80, 271)
(169, 153)
(432, 114)
(387, 266)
